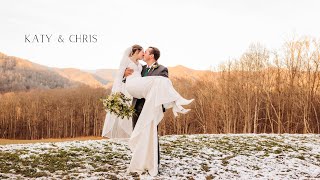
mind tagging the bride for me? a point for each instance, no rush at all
(157, 91)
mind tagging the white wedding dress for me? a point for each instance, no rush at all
(115, 127)
(157, 91)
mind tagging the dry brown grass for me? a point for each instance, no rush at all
(19, 141)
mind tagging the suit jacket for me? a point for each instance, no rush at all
(156, 70)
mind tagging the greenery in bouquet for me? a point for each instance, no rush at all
(118, 104)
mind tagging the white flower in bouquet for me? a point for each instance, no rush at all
(118, 104)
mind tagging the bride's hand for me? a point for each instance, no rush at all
(128, 72)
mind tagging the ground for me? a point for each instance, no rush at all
(227, 156)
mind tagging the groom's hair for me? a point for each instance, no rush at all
(155, 51)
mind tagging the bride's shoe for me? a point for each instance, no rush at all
(168, 105)
(179, 109)
(183, 101)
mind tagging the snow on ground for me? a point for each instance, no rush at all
(227, 156)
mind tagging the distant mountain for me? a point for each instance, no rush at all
(106, 75)
(80, 76)
(182, 71)
(21, 74)
(18, 74)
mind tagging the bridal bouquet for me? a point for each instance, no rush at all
(118, 104)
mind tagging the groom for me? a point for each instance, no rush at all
(152, 68)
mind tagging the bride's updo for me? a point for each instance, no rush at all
(135, 48)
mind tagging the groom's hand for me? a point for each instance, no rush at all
(128, 72)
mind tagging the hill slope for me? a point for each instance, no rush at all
(20, 74)
(79, 76)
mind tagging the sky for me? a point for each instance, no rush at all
(199, 34)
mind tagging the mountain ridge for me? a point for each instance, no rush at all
(19, 69)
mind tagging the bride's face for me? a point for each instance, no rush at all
(140, 55)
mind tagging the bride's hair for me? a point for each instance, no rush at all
(135, 48)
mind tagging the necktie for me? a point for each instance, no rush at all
(146, 72)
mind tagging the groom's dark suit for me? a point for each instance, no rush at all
(155, 70)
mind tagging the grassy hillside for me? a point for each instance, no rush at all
(243, 156)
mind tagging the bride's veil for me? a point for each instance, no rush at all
(115, 127)
(117, 84)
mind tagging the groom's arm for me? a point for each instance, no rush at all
(164, 72)
(127, 73)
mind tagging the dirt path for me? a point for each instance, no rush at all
(15, 141)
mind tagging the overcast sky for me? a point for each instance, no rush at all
(194, 33)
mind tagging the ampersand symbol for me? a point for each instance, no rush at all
(60, 39)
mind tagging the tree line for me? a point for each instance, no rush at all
(263, 91)
(53, 113)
